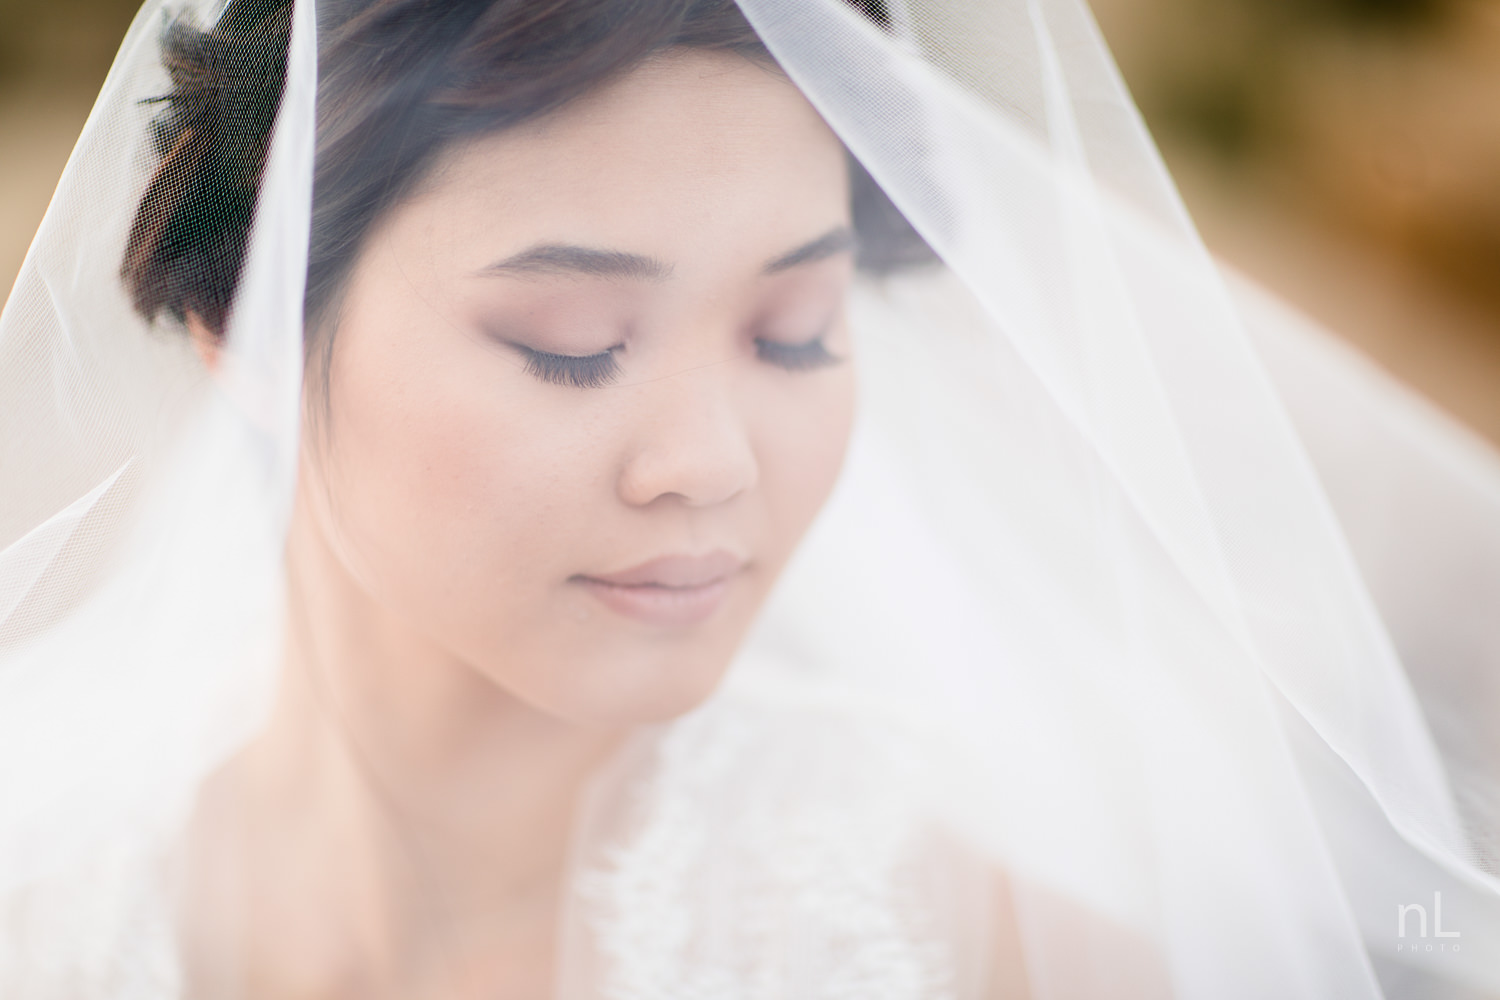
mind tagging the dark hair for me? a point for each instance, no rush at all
(399, 81)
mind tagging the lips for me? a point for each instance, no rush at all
(674, 590)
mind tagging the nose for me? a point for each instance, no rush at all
(694, 444)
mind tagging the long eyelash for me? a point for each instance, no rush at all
(795, 357)
(588, 372)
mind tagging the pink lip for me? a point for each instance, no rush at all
(671, 590)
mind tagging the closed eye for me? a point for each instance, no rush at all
(586, 372)
(795, 357)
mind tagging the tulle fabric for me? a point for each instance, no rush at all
(143, 514)
(1143, 644)
(1260, 779)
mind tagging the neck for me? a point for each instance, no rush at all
(430, 807)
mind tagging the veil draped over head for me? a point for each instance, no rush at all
(1170, 615)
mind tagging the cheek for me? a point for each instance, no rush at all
(801, 452)
(449, 486)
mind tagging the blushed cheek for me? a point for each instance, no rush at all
(405, 465)
(804, 464)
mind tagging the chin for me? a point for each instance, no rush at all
(621, 689)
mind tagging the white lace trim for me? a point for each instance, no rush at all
(100, 932)
(769, 852)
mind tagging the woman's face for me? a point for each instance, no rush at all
(590, 385)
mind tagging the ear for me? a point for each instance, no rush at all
(205, 340)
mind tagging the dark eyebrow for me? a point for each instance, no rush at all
(566, 259)
(830, 244)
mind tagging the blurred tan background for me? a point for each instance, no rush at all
(1347, 154)
(1344, 152)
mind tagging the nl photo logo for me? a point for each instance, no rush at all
(1441, 940)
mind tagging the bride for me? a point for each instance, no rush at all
(682, 499)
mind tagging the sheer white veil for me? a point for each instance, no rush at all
(1173, 611)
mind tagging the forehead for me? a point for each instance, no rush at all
(691, 157)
